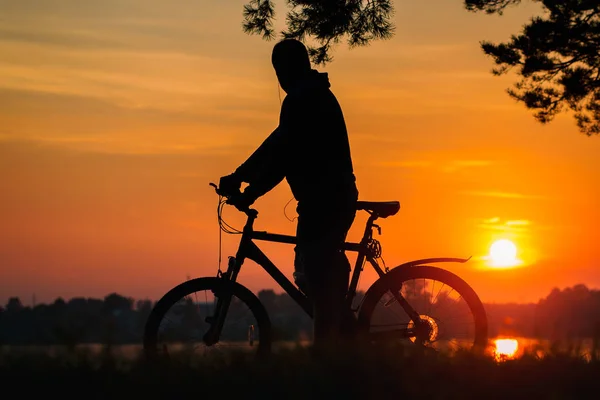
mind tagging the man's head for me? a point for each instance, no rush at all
(291, 62)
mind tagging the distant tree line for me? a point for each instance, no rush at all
(117, 319)
(114, 319)
(570, 313)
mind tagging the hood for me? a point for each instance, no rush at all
(314, 81)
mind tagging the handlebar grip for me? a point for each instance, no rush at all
(230, 199)
(215, 186)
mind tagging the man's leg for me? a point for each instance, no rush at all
(322, 262)
(328, 283)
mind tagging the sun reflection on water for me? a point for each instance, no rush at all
(506, 349)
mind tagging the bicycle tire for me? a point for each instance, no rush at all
(217, 286)
(400, 275)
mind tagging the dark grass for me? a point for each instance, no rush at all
(297, 373)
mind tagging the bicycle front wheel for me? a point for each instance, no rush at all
(451, 314)
(185, 319)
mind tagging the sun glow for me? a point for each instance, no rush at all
(503, 253)
(506, 348)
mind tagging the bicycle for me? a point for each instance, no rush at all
(394, 293)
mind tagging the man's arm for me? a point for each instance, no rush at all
(265, 168)
(265, 155)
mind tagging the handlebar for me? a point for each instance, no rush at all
(231, 199)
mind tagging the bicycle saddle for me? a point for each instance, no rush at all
(383, 209)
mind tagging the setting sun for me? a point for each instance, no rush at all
(503, 253)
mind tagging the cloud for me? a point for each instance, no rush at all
(457, 165)
(181, 26)
(73, 39)
(504, 195)
(519, 222)
(406, 164)
(137, 79)
(493, 220)
(89, 124)
(497, 224)
(170, 55)
(448, 167)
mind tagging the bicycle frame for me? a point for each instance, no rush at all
(249, 250)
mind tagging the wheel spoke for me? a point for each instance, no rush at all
(178, 321)
(447, 311)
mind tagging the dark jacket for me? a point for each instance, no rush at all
(309, 148)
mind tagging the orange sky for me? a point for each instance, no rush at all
(115, 116)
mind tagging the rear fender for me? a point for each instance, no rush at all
(432, 261)
(416, 263)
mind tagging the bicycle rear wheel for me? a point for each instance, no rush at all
(181, 319)
(452, 314)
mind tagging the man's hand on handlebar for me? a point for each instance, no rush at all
(227, 188)
(241, 200)
(229, 185)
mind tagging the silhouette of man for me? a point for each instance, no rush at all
(310, 149)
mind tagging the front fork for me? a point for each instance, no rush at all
(217, 320)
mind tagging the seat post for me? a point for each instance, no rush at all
(369, 228)
(360, 260)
